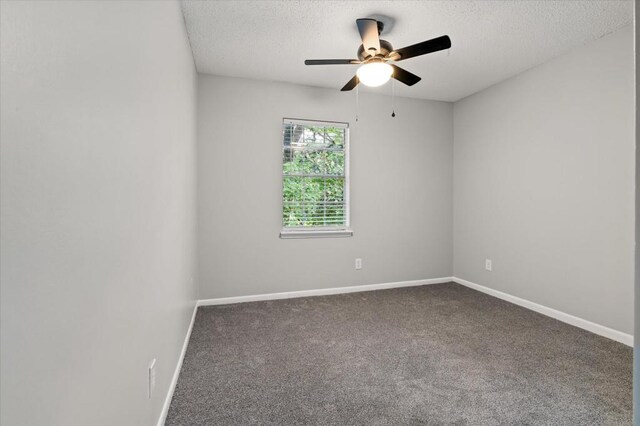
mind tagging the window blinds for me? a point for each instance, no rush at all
(314, 175)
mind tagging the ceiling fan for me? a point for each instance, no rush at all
(374, 53)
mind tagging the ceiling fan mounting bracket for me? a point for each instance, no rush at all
(385, 23)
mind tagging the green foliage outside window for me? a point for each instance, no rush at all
(313, 176)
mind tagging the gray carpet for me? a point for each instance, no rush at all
(436, 354)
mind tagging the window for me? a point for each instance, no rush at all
(315, 179)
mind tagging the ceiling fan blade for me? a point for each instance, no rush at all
(368, 29)
(404, 76)
(331, 61)
(429, 46)
(351, 84)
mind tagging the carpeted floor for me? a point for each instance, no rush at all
(436, 354)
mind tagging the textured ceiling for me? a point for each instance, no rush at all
(491, 40)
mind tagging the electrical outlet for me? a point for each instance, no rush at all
(152, 377)
(358, 263)
(487, 264)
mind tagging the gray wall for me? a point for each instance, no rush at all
(97, 208)
(636, 350)
(543, 183)
(401, 189)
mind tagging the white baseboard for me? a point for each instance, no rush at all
(601, 330)
(176, 373)
(321, 291)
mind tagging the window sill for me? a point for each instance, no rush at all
(316, 233)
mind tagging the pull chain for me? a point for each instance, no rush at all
(357, 102)
(393, 97)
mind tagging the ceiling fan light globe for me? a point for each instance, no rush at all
(374, 74)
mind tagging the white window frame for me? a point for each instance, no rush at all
(320, 231)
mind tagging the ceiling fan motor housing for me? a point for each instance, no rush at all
(385, 49)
